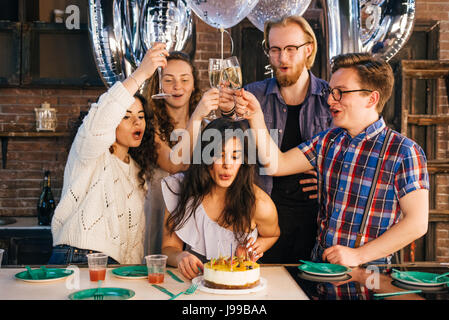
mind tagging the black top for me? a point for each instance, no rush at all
(292, 135)
(287, 188)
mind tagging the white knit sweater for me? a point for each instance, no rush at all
(101, 206)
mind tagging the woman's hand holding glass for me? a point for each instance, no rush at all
(232, 79)
(154, 58)
(208, 104)
(189, 265)
(227, 101)
(226, 75)
(154, 50)
(215, 71)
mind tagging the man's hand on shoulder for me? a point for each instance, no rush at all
(312, 184)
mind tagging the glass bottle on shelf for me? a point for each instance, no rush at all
(45, 118)
(46, 203)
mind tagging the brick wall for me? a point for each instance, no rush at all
(28, 158)
(208, 45)
(439, 10)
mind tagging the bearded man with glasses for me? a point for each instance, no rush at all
(292, 103)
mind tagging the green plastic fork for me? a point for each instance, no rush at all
(406, 275)
(190, 290)
(44, 269)
(30, 272)
(98, 295)
(440, 276)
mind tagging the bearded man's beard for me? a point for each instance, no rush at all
(288, 80)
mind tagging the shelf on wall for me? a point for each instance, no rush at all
(6, 135)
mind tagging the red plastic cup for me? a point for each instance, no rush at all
(155, 278)
(156, 265)
(98, 274)
(97, 266)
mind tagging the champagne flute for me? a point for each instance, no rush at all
(161, 94)
(215, 69)
(232, 74)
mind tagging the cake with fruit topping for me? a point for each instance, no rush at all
(241, 274)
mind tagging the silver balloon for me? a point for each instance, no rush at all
(126, 26)
(167, 21)
(106, 48)
(270, 9)
(222, 13)
(120, 31)
(380, 27)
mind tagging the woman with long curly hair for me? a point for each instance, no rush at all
(112, 155)
(183, 110)
(215, 205)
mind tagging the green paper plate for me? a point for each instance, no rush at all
(41, 276)
(108, 294)
(131, 272)
(425, 277)
(324, 269)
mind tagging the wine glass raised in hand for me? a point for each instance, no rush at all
(232, 74)
(215, 69)
(161, 94)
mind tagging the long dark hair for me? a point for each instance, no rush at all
(163, 122)
(197, 183)
(145, 154)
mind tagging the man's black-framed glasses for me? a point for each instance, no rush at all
(337, 93)
(291, 50)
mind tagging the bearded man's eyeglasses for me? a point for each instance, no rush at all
(291, 50)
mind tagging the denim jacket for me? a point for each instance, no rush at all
(314, 115)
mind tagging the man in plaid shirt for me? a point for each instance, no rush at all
(345, 158)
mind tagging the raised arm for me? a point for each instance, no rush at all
(97, 133)
(178, 158)
(275, 162)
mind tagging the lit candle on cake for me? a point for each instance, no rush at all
(232, 256)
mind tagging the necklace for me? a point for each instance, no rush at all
(126, 159)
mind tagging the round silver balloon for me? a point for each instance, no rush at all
(270, 9)
(117, 28)
(222, 13)
(170, 22)
(380, 27)
(386, 26)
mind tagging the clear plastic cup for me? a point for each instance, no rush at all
(156, 265)
(97, 266)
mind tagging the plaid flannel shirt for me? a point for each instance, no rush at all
(345, 177)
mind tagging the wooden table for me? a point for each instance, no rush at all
(280, 286)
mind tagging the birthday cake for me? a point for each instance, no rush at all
(240, 274)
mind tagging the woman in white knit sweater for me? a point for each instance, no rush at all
(102, 200)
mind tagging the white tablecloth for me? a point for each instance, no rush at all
(280, 286)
